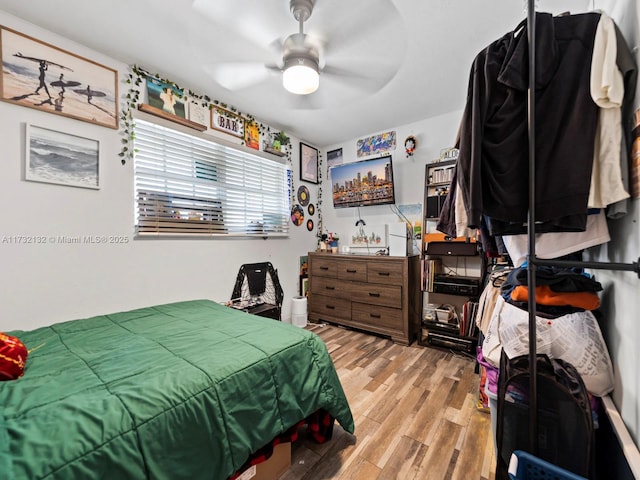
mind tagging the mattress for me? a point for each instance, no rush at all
(183, 390)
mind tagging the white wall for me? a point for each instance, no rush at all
(45, 283)
(42, 284)
(620, 300)
(433, 135)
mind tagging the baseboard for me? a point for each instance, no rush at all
(617, 455)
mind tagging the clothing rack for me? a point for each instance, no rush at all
(532, 261)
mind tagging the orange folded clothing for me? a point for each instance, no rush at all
(546, 296)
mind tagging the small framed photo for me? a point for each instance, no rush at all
(334, 157)
(304, 285)
(252, 135)
(166, 97)
(198, 113)
(308, 163)
(61, 158)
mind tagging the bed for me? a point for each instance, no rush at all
(183, 390)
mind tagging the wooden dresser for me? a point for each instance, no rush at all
(376, 294)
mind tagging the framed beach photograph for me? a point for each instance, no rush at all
(61, 158)
(42, 76)
(308, 163)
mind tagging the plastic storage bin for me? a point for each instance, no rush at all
(524, 466)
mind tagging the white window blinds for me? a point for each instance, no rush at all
(187, 185)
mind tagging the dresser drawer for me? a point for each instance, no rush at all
(331, 287)
(376, 316)
(377, 294)
(385, 272)
(324, 305)
(352, 270)
(324, 267)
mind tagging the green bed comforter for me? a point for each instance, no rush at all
(185, 390)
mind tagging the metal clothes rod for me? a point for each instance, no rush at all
(531, 230)
(532, 261)
(631, 267)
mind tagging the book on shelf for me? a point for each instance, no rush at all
(468, 327)
(432, 266)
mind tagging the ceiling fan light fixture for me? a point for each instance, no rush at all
(301, 75)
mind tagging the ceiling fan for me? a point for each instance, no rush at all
(346, 54)
(301, 68)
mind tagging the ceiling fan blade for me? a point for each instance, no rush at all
(356, 28)
(360, 76)
(258, 22)
(239, 75)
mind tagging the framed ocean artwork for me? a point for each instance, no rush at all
(61, 158)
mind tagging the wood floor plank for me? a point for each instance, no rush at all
(391, 426)
(415, 414)
(436, 462)
(430, 412)
(404, 455)
(471, 458)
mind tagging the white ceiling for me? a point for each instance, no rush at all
(387, 62)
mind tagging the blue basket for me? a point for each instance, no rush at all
(524, 466)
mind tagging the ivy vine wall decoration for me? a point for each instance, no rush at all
(137, 77)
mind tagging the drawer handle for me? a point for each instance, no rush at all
(324, 268)
(375, 316)
(384, 274)
(330, 307)
(374, 294)
(329, 287)
(351, 271)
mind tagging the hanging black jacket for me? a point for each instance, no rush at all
(493, 163)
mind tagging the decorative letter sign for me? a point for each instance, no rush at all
(227, 122)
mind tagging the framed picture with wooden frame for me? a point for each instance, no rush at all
(38, 75)
(166, 97)
(308, 163)
(227, 121)
(61, 158)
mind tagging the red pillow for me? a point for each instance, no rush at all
(13, 356)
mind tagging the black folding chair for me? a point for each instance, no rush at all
(258, 287)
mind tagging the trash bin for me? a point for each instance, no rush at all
(299, 312)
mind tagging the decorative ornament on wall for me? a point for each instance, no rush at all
(297, 215)
(410, 144)
(381, 143)
(303, 195)
(311, 209)
(226, 121)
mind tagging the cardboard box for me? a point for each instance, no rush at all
(273, 468)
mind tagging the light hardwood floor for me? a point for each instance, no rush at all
(415, 414)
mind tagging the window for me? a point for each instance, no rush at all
(188, 185)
